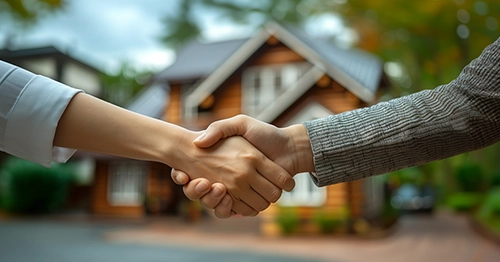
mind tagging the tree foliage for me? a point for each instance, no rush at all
(28, 12)
(121, 88)
(428, 41)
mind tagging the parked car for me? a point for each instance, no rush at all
(411, 198)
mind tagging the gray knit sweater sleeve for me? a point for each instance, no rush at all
(461, 116)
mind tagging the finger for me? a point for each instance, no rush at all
(253, 199)
(275, 174)
(270, 192)
(197, 188)
(214, 198)
(179, 177)
(221, 129)
(223, 209)
(242, 208)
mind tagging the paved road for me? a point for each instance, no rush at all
(46, 241)
(440, 237)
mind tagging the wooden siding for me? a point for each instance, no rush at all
(275, 54)
(327, 92)
(99, 202)
(173, 112)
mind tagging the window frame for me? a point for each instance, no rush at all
(131, 192)
(254, 102)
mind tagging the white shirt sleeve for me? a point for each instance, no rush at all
(30, 109)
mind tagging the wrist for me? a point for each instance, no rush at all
(172, 145)
(300, 146)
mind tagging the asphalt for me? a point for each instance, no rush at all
(53, 241)
(439, 237)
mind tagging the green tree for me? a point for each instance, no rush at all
(29, 12)
(428, 42)
(121, 88)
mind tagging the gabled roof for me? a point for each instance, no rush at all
(44, 51)
(151, 101)
(198, 60)
(363, 67)
(213, 63)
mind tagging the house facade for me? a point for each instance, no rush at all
(281, 76)
(55, 64)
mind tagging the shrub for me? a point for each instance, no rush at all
(464, 201)
(495, 178)
(288, 219)
(470, 177)
(329, 221)
(491, 206)
(30, 188)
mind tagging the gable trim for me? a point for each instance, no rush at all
(214, 80)
(285, 100)
(334, 72)
(311, 111)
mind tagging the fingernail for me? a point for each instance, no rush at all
(217, 192)
(200, 137)
(201, 187)
(225, 201)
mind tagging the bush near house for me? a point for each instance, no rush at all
(471, 181)
(288, 219)
(29, 188)
(330, 221)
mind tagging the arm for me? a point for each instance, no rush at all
(85, 122)
(430, 125)
(426, 126)
(93, 125)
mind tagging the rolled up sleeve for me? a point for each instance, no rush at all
(31, 106)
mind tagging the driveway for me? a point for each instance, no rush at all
(52, 241)
(439, 237)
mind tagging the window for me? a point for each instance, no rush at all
(126, 183)
(262, 85)
(305, 193)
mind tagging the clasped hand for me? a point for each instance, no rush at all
(283, 153)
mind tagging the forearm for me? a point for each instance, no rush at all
(94, 125)
(412, 130)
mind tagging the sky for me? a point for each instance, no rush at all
(107, 33)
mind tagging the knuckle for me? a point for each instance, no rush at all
(254, 157)
(283, 179)
(274, 195)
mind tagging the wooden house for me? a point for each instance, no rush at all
(58, 65)
(279, 75)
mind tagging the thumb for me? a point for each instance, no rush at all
(208, 138)
(219, 130)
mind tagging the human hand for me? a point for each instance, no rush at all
(288, 147)
(252, 180)
(212, 196)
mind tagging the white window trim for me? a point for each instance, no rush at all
(133, 171)
(289, 74)
(305, 193)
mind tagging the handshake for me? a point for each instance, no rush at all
(240, 165)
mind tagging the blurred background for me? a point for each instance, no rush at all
(284, 61)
